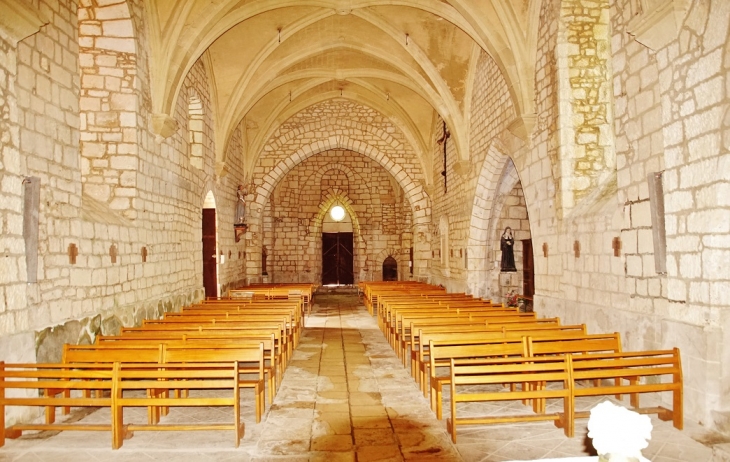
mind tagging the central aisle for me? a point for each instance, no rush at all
(345, 396)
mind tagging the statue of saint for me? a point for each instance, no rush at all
(240, 205)
(507, 244)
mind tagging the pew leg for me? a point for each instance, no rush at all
(678, 407)
(50, 411)
(272, 381)
(634, 397)
(11, 433)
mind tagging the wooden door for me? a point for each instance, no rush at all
(210, 273)
(528, 270)
(390, 269)
(337, 258)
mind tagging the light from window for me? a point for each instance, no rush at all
(337, 213)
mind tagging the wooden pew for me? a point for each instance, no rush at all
(633, 373)
(159, 381)
(272, 354)
(419, 327)
(441, 354)
(419, 356)
(20, 385)
(250, 358)
(227, 315)
(222, 330)
(487, 375)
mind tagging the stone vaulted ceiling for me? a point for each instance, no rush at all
(408, 59)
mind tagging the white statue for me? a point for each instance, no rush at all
(618, 434)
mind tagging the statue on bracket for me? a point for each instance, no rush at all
(507, 244)
(239, 224)
(240, 205)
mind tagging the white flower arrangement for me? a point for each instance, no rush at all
(619, 434)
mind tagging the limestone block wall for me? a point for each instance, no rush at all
(694, 71)
(382, 222)
(468, 201)
(12, 262)
(344, 125)
(669, 107)
(43, 133)
(584, 97)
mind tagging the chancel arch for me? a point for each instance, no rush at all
(417, 198)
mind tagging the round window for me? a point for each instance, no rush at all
(337, 213)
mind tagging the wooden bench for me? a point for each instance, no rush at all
(155, 351)
(441, 354)
(633, 373)
(20, 385)
(474, 381)
(213, 384)
(279, 329)
(250, 359)
(272, 356)
(459, 333)
(548, 325)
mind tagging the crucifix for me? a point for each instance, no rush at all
(73, 252)
(616, 244)
(443, 140)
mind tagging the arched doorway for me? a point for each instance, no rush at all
(210, 247)
(390, 269)
(337, 247)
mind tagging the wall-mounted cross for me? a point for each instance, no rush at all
(616, 244)
(576, 249)
(443, 140)
(144, 254)
(73, 252)
(113, 253)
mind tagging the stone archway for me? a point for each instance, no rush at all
(496, 179)
(414, 192)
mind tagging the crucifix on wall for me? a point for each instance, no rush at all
(443, 140)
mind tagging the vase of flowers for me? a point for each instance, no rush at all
(513, 299)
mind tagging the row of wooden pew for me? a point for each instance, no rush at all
(293, 291)
(472, 346)
(203, 356)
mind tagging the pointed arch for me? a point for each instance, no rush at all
(497, 177)
(417, 197)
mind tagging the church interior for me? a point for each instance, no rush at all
(155, 153)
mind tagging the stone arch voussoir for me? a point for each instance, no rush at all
(493, 178)
(413, 190)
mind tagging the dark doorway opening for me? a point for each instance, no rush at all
(337, 258)
(390, 269)
(210, 274)
(528, 273)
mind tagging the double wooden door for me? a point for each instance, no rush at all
(337, 258)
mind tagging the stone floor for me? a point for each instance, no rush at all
(344, 397)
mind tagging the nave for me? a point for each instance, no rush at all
(345, 396)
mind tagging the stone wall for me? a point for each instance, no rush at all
(669, 107)
(339, 125)
(50, 118)
(381, 220)
(468, 201)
